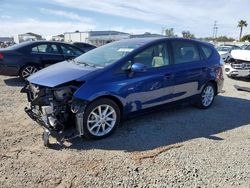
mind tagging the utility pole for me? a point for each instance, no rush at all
(215, 30)
(163, 31)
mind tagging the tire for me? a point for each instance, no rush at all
(206, 97)
(28, 70)
(97, 125)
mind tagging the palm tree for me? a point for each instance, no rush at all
(242, 24)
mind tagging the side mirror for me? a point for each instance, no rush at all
(138, 67)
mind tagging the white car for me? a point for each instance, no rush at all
(239, 64)
(225, 51)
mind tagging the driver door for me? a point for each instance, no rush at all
(155, 85)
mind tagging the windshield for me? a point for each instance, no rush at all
(108, 54)
(224, 49)
(247, 47)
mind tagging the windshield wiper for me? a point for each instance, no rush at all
(82, 63)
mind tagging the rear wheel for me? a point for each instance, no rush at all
(101, 118)
(206, 97)
(28, 70)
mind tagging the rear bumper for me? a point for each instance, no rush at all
(8, 70)
(220, 84)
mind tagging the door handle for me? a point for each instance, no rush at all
(168, 76)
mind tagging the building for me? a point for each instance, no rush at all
(99, 38)
(76, 36)
(27, 37)
(146, 35)
(6, 39)
(58, 37)
(96, 38)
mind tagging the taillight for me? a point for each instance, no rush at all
(219, 75)
(1, 56)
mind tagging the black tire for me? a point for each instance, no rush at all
(103, 102)
(25, 69)
(201, 104)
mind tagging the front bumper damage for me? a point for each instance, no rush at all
(237, 68)
(61, 118)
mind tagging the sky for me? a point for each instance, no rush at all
(52, 17)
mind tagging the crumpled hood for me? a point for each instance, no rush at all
(222, 52)
(60, 73)
(241, 54)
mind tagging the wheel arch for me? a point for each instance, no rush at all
(27, 64)
(215, 85)
(115, 99)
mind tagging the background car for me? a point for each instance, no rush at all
(225, 51)
(123, 78)
(27, 58)
(239, 64)
(84, 46)
(246, 47)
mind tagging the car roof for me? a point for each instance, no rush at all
(225, 46)
(148, 40)
(28, 43)
(230, 45)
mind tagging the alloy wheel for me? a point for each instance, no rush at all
(101, 120)
(29, 70)
(207, 95)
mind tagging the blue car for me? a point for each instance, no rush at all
(96, 90)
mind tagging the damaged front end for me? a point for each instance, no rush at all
(55, 109)
(239, 64)
(237, 68)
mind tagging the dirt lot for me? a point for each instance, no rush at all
(180, 147)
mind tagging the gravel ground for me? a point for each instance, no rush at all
(180, 147)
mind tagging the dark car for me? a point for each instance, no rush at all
(84, 46)
(120, 79)
(27, 58)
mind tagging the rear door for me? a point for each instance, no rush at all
(47, 54)
(190, 70)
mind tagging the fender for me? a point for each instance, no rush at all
(90, 93)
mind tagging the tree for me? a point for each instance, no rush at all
(170, 32)
(241, 25)
(218, 39)
(188, 35)
(225, 39)
(246, 38)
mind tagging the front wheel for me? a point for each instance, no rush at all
(100, 118)
(206, 97)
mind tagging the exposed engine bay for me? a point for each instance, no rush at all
(239, 64)
(54, 109)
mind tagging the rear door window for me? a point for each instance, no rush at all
(185, 52)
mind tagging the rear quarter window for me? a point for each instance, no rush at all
(206, 51)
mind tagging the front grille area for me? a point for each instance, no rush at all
(241, 66)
